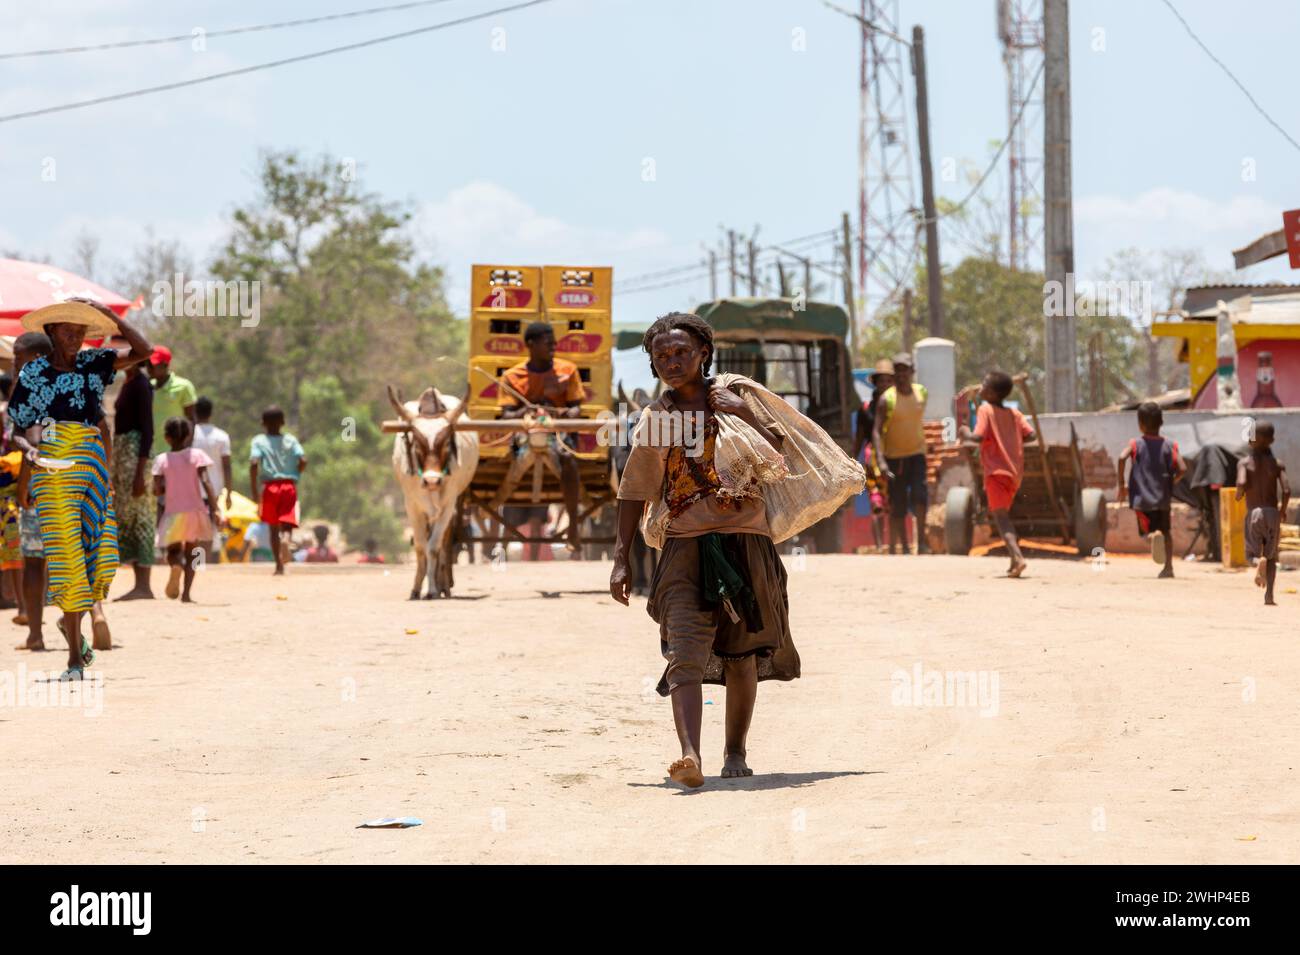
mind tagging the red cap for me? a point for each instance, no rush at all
(161, 355)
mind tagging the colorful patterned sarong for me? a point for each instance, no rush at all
(75, 507)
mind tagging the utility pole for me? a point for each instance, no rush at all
(907, 320)
(731, 256)
(780, 272)
(848, 290)
(753, 276)
(1058, 215)
(807, 279)
(713, 276)
(933, 270)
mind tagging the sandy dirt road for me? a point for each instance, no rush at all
(1121, 720)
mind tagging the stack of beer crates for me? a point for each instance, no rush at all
(575, 301)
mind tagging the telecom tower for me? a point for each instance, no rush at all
(1020, 28)
(887, 214)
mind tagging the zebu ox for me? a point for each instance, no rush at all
(434, 463)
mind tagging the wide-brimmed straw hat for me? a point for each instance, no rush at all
(74, 313)
(883, 367)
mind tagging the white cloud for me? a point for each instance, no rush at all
(485, 222)
(1165, 218)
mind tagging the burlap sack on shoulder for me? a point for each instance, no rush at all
(810, 481)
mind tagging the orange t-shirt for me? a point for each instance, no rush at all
(560, 386)
(1002, 433)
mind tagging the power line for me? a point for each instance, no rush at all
(124, 44)
(866, 23)
(1220, 63)
(703, 267)
(1001, 149)
(266, 66)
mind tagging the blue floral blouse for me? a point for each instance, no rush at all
(42, 391)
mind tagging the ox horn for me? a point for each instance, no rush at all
(395, 398)
(453, 416)
(622, 395)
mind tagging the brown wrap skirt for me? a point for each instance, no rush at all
(695, 639)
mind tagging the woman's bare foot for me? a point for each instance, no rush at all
(687, 772)
(1017, 568)
(134, 594)
(173, 588)
(35, 644)
(733, 764)
(1259, 574)
(1165, 574)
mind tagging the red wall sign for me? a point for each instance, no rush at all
(1291, 226)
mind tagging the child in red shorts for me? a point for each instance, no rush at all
(278, 461)
(1000, 434)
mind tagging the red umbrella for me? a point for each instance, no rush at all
(26, 286)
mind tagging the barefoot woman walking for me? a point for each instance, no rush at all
(714, 501)
(59, 402)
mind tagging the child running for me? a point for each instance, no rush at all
(277, 460)
(1157, 466)
(1000, 434)
(1261, 479)
(180, 480)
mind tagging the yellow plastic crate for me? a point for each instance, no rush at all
(1232, 527)
(577, 336)
(506, 289)
(580, 288)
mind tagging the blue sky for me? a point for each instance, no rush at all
(535, 153)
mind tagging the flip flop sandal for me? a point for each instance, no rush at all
(87, 654)
(71, 674)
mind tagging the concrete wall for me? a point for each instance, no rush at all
(1103, 437)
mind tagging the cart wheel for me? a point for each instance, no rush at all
(1090, 521)
(959, 520)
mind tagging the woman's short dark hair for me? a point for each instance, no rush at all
(688, 322)
(177, 429)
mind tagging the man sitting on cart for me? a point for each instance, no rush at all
(547, 386)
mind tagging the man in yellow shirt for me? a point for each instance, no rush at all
(899, 437)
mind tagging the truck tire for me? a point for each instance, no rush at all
(1090, 521)
(959, 520)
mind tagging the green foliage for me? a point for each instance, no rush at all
(995, 316)
(345, 308)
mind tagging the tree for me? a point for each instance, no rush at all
(994, 315)
(1167, 274)
(345, 308)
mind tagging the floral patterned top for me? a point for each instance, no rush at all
(42, 391)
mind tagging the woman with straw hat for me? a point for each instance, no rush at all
(58, 401)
